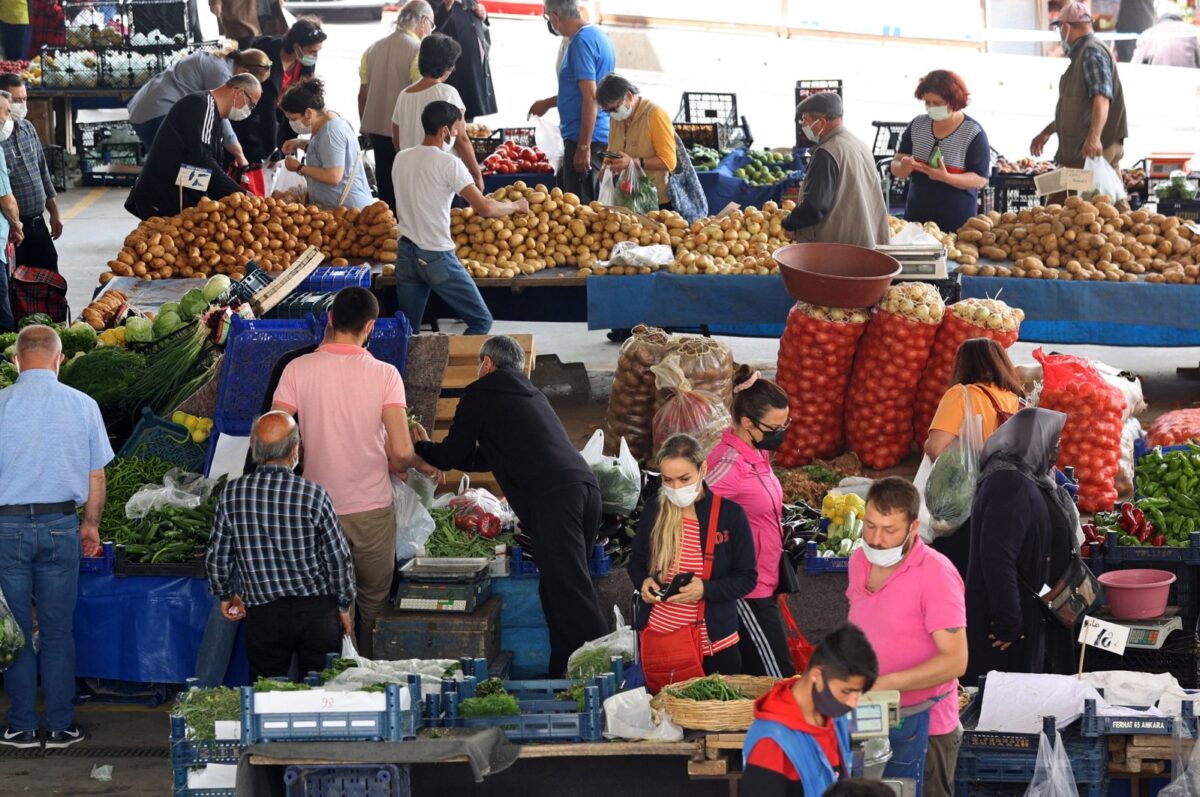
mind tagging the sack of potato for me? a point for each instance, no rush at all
(632, 403)
(221, 236)
(1081, 240)
(707, 364)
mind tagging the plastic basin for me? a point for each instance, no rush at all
(1137, 594)
(835, 275)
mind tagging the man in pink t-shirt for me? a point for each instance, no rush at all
(909, 600)
(351, 409)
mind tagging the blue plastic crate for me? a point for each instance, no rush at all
(519, 567)
(102, 564)
(815, 564)
(393, 724)
(343, 780)
(389, 340)
(1091, 725)
(187, 752)
(158, 437)
(301, 305)
(1141, 448)
(1089, 762)
(251, 351)
(180, 787)
(1147, 555)
(331, 279)
(964, 788)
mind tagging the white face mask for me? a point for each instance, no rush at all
(299, 128)
(239, 114)
(6, 131)
(19, 110)
(812, 134)
(938, 113)
(448, 146)
(622, 112)
(683, 497)
(884, 557)
(307, 60)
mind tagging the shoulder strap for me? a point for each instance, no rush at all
(352, 177)
(710, 544)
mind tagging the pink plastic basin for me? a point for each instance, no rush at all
(1137, 594)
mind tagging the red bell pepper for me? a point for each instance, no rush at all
(489, 527)
(1145, 533)
(1128, 520)
(1158, 541)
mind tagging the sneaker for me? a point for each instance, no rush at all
(56, 740)
(22, 740)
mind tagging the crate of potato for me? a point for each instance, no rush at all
(1081, 240)
(221, 236)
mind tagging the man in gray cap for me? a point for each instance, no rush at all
(1090, 116)
(841, 200)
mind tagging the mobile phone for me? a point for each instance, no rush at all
(680, 581)
(609, 156)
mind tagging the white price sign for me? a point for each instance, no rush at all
(193, 177)
(1105, 636)
(1064, 180)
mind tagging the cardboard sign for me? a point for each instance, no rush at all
(1105, 636)
(1063, 180)
(193, 177)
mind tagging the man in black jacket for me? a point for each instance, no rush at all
(191, 135)
(504, 424)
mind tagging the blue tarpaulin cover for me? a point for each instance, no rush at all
(732, 304)
(721, 186)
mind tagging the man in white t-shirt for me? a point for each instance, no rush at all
(426, 179)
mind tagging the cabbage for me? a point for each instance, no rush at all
(139, 330)
(216, 287)
(169, 307)
(192, 304)
(79, 337)
(166, 323)
(951, 489)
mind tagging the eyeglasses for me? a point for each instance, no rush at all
(250, 104)
(770, 429)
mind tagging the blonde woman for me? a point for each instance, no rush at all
(690, 630)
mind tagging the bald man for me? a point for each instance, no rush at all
(278, 559)
(53, 449)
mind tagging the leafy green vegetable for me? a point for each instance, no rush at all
(139, 330)
(618, 490)
(77, 338)
(104, 374)
(449, 541)
(12, 639)
(267, 685)
(452, 670)
(216, 287)
(714, 687)
(203, 708)
(575, 694)
(335, 669)
(502, 705)
(7, 339)
(491, 686)
(950, 490)
(8, 374)
(166, 323)
(35, 318)
(594, 661)
(820, 473)
(192, 304)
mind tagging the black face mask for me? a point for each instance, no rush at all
(828, 705)
(770, 440)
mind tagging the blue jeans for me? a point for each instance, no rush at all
(418, 271)
(7, 322)
(39, 561)
(216, 647)
(910, 742)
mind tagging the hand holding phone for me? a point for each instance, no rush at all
(609, 156)
(680, 581)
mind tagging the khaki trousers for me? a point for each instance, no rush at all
(941, 760)
(372, 539)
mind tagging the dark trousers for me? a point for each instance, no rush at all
(563, 526)
(307, 627)
(385, 153)
(16, 40)
(582, 184)
(37, 249)
(761, 639)
(725, 662)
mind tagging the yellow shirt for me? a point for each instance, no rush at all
(950, 411)
(414, 72)
(14, 12)
(647, 133)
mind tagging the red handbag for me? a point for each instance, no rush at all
(675, 656)
(798, 645)
(252, 178)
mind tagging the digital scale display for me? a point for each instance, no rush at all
(869, 719)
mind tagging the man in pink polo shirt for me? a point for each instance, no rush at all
(909, 600)
(354, 424)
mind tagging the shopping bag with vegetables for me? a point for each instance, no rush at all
(628, 188)
(12, 638)
(476, 511)
(620, 477)
(951, 486)
(686, 411)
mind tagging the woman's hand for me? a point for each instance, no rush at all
(1001, 644)
(291, 164)
(292, 144)
(692, 593)
(940, 173)
(903, 166)
(649, 588)
(619, 163)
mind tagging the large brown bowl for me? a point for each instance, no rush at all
(835, 275)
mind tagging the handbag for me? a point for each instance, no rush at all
(1076, 593)
(798, 645)
(676, 655)
(683, 186)
(1001, 415)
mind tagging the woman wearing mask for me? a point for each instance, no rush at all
(639, 131)
(944, 153)
(200, 71)
(689, 530)
(739, 469)
(435, 60)
(333, 168)
(995, 393)
(1019, 518)
(293, 57)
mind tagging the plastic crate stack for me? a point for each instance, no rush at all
(1012, 192)
(56, 162)
(342, 780)
(190, 756)
(391, 716)
(107, 144)
(522, 565)
(698, 107)
(1004, 763)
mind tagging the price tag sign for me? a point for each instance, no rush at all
(193, 177)
(1063, 180)
(1105, 636)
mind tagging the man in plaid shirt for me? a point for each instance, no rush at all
(31, 183)
(277, 557)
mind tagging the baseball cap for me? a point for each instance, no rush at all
(1071, 14)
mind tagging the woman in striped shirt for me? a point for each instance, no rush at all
(944, 153)
(673, 537)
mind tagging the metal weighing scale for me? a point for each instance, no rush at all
(877, 713)
(1147, 634)
(918, 262)
(443, 585)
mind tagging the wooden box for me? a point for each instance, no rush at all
(439, 635)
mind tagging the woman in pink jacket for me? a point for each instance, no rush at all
(739, 469)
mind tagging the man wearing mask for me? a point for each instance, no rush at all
(910, 602)
(191, 135)
(588, 59)
(31, 182)
(799, 743)
(840, 201)
(10, 220)
(1090, 116)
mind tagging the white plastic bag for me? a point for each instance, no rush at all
(476, 502)
(630, 253)
(1052, 774)
(595, 657)
(628, 715)
(549, 140)
(1186, 773)
(1105, 181)
(280, 180)
(179, 488)
(423, 486)
(950, 488)
(620, 477)
(414, 524)
(919, 482)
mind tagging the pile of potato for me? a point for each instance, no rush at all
(740, 242)
(559, 231)
(1081, 240)
(220, 236)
